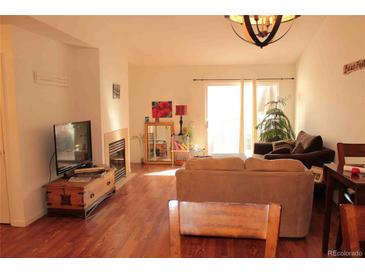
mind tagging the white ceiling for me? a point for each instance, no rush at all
(207, 40)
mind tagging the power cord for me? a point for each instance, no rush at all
(50, 167)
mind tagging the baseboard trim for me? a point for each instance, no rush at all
(24, 223)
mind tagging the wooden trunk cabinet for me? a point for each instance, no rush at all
(79, 198)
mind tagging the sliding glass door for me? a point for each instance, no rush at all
(233, 111)
(224, 118)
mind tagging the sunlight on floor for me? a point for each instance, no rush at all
(170, 172)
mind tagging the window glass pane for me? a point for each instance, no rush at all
(224, 112)
(265, 92)
(247, 118)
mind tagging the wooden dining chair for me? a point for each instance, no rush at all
(347, 150)
(353, 227)
(258, 221)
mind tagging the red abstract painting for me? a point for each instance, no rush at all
(162, 109)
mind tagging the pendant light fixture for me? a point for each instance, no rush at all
(260, 30)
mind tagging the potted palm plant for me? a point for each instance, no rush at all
(276, 125)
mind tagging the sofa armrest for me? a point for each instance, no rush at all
(315, 158)
(262, 148)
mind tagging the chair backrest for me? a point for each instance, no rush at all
(234, 220)
(353, 227)
(349, 150)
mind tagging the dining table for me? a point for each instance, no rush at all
(336, 177)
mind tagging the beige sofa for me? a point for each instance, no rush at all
(285, 181)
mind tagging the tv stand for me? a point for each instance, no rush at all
(79, 198)
(68, 174)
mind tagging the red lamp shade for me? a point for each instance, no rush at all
(181, 110)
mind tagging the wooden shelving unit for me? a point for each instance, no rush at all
(180, 149)
(157, 142)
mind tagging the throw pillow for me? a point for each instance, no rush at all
(298, 149)
(310, 143)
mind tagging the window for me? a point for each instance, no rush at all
(233, 113)
(265, 92)
(224, 118)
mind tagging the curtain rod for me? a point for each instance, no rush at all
(260, 79)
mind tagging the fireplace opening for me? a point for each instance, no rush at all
(117, 158)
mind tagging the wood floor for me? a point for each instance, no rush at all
(134, 223)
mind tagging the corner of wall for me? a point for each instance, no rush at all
(27, 221)
(15, 182)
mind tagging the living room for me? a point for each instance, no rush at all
(112, 72)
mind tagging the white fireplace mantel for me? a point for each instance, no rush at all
(113, 136)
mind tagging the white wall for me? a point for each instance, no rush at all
(39, 107)
(329, 103)
(105, 34)
(101, 32)
(149, 84)
(97, 61)
(86, 86)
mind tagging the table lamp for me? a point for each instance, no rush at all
(181, 110)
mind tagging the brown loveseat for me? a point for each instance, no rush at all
(312, 152)
(285, 182)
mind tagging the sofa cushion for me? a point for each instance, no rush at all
(290, 165)
(228, 163)
(310, 143)
(259, 156)
(298, 149)
(282, 150)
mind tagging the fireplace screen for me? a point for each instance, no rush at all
(117, 158)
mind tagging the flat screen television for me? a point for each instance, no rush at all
(72, 146)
